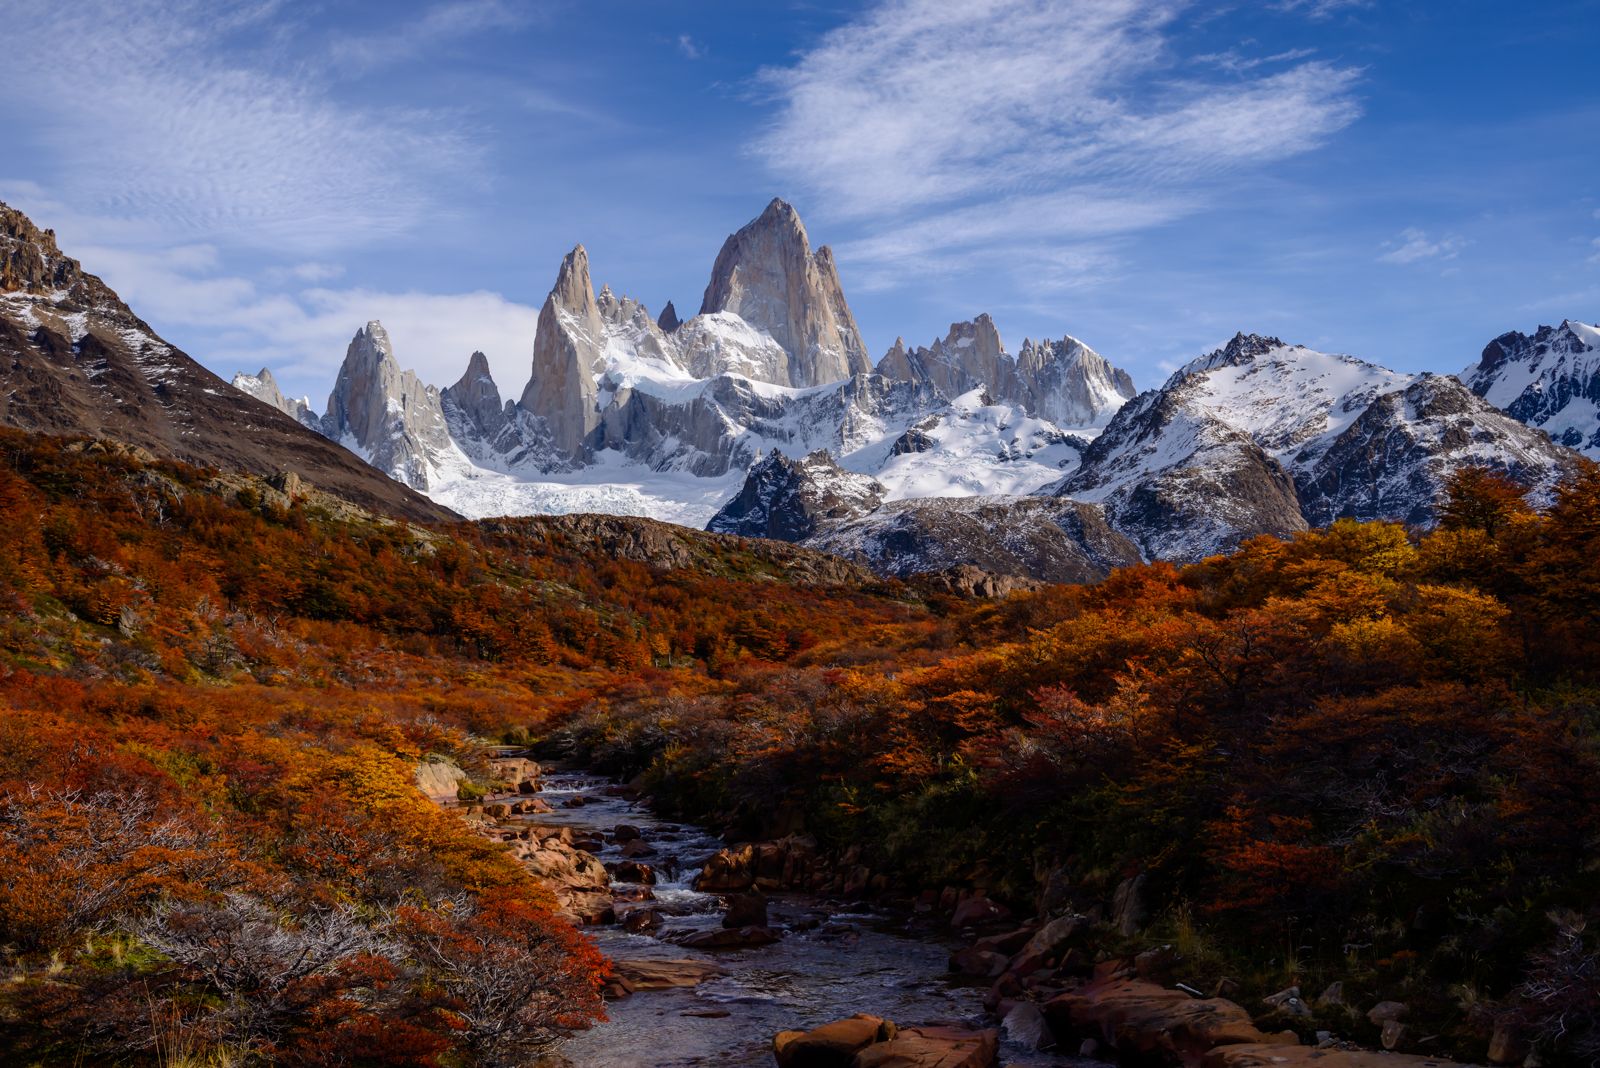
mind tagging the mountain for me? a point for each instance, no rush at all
(568, 351)
(767, 275)
(787, 500)
(814, 502)
(1263, 437)
(74, 359)
(1550, 380)
(1065, 382)
(629, 413)
(263, 387)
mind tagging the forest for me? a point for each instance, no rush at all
(1368, 754)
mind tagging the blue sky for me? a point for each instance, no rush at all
(258, 178)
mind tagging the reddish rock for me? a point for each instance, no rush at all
(631, 871)
(1255, 1055)
(638, 847)
(978, 910)
(833, 1045)
(729, 871)
(1150, 1023)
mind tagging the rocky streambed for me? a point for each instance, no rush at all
(716, 963)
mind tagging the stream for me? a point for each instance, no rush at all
(833, 961)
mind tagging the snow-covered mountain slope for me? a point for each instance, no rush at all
(814, 502)
(1065, 382)
(263, 387)
(1262, 437)
(1550, 380)
(628, 413)
(789, 499)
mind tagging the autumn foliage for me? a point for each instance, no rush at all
(1367, 753)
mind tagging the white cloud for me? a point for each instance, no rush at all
(1235, 62)
(1595, 244)
(690, 47)
(439, 25)
(142, 119)
(927, 117)
(301, 333)
(1413, 245)
(1323, 9)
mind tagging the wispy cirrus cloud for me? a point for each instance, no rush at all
(442, 24)
(1323, 9)
(1414, 245)
(954, 129)
(153, 120)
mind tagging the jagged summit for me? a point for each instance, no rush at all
(768, 276)
(567, 352)
(668, 320)
(1240, 349)
(386, 414)
(1063, 381)
(29, 257)
(263, 387)
(1549, 379)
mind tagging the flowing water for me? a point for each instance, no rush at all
(833, 961)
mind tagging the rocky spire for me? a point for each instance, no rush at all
(385, 413)
(1070, 384)
(476, 396)
(29, 258)
(567, 353)
(668, 322)
(768, 276)
(969, 356)
(263, 387)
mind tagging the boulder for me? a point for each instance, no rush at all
(1256, 1055)
(1047, 942)
(983, 963)
(439, 780)
(1149, 1023)
(631, 871)
(1026, 1026)
(642, 921)
(976, 910)
(833, 1045)
(746, 910)
(624, 832)
(932, 1047)
(665, 974)
(1128, 911)
(729, 871)
(729, 938)
(1288, 1001)
(638, 847)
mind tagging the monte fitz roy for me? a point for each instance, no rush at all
(764, 416)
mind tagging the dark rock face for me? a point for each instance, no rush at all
(974, 541)
(1393, 462)
(668, 320)
(984, 546)
(74, 359)
(788, 500)
(1225, 490)
(1549, 380)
